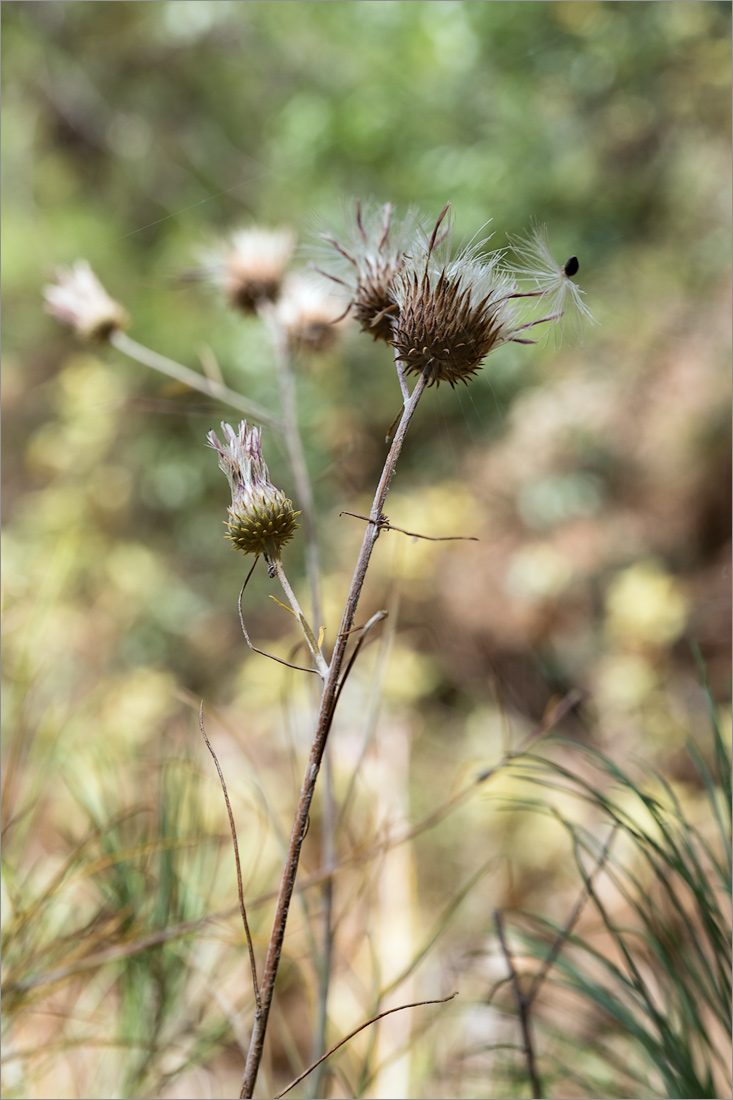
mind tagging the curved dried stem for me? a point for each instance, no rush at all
(250, 643)
(321, 666)
(367, 1023)
(235, 845)
(572, 920)
(523, 1008)
(376, 618)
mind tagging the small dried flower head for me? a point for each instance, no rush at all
(310, 316)
(554, 283)
(452, 312)
(249, 268)
(261, 518)
(79, 300)
(373, 253)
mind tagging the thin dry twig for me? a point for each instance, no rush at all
(310, 638)
(548, 721)
(373, 1020)
(523, 1008)
(376, 618)
(384, 525)
(390, 430)
(235, 845)
(210, 386)
(374, 695)
(295, 449)
(250, 643)
(572, 920)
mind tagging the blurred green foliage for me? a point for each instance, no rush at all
(132, 132)
(135, 133)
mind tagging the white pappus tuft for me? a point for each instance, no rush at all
(554, 283)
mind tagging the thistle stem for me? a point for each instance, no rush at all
(325, 718)
(296, 454)
(404, 389)
(304, 624)
(216, 390)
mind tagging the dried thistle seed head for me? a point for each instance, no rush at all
(452, 312)
(250, 266)
(371, 253)
(559, 294)
(79, 300)
(261, 518)
(310, 315)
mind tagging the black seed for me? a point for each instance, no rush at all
(571, 267)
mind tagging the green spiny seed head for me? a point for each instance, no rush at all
(261, 518)
(262, 525)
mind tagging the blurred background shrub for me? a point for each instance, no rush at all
(597, 478)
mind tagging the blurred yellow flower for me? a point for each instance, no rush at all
(410, 676)
(624, 681)
(646, 605)
(538, 572)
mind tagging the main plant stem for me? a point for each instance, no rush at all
(325, 718)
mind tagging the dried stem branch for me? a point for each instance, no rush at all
(525, 1001)
(325, 718)
(325, 962)
(263, 652)
(311, 642)
(524, 1004)
(216, 390)
(296, 453)
(387, 526)
(235, 845)
(376, 618)
(367, 1023)
(572, 920)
